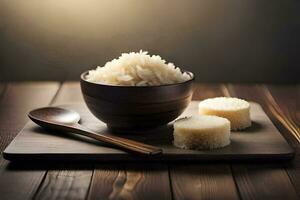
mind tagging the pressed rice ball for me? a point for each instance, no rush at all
(237, 111)
(201, 132)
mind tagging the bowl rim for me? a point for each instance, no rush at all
(82, 77)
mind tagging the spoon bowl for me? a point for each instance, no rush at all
(56, 115)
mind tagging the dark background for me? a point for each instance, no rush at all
(219, 40)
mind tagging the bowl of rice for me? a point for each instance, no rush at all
(137, 91)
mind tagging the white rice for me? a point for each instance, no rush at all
(137, 69)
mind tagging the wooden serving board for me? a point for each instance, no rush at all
(261, 141)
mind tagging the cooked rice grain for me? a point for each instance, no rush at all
(137, 69)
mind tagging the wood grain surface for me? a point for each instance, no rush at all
(133, 181)
(261, 181)
(20, 181)
(206, 181)
(65, 182)
(286, 99)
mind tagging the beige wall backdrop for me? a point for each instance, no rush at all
(219, 40)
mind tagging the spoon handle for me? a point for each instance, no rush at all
(127, 144)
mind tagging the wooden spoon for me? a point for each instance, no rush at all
(67, 120)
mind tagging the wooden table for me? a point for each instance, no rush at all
(148, 181)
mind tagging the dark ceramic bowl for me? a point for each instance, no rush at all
(134, 108)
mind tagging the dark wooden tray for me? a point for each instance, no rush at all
(261, 141)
